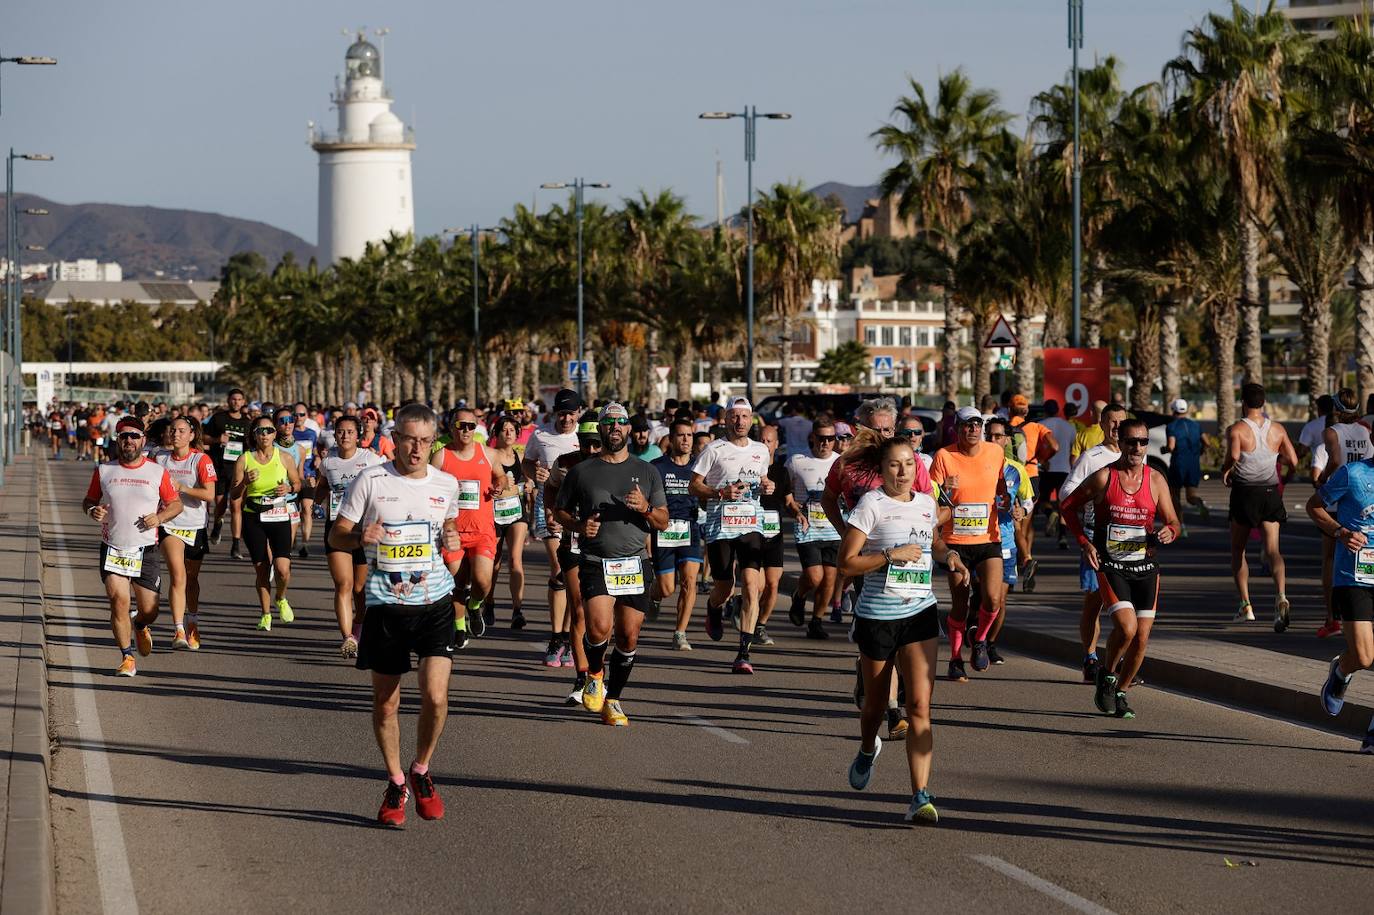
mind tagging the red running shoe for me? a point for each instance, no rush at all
(1326, 630)
(393, 812)
(428, 803)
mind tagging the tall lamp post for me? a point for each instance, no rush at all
(578, 185)
(1075, 44)
(474, 231)
(750, 114)
(13, 315)
(69, 317)
(28, 60)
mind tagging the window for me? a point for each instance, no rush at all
(870, 335)
(923, 336)
(904, 336)
(887, 335)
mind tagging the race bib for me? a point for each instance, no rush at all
(508, 509)
(1364, 566)
(772, 524)
(1125, 543)
(737, 516)
(275, 509)
(128, 563)
(185, 535)
(469, 495)
(624, 577)
(677, 533)
(406, 547)
(574, 548)
(909, 580)
(294, 510)
(335, 501)
(971, 519)
(233, 450)
(816, 516)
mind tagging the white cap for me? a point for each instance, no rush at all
(738, 403)
(1180, 406)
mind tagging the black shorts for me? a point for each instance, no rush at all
(819, 553)
(1252, 506)
(224, 477)
(1035, 489)
(591, 582)
(149, 577)
(1054, 480)
(1138, 590)
(1353, 604)
(260, 536)
(193, 552)
(773, 555)
(359, 555)
(392, 632)
(972, 555)
(878, 640)
(723, 555)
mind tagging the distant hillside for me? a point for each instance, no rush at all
(144, 240)
(852, 195)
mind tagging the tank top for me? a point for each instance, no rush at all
(271, 474)
(1259, 466)
(1125, 525)
(474, 484)
(1354, 441)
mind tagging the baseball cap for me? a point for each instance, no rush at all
(738, 403)
(1180, 406)
(587, 428)
(613, 410)
(373, 413)
(843, 429)
(968, 413)
(1020, 400)
(515, 404)
(129, 423)
(350, 406)
(566, 400)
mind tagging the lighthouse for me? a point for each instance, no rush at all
(365, 185)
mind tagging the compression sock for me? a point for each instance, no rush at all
(956, 638)
(461, 624)
(621, 665)
(985, 620)
(745, 640)
(596, 655)
(474, 604)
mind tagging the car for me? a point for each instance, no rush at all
(841, 406)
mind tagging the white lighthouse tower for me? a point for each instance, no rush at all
(365, 188)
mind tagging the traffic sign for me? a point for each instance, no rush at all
(1004, 362)
(1000, 335)
(662, 371)
(1078, 376)
(577, 371)
(882, 366)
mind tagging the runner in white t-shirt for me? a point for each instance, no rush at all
(542, 452)
(185, 543)
(818, 542)
(338, 467)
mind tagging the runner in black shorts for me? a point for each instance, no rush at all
(677, 548)
(567, 648)
(774, 504)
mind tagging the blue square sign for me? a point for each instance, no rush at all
(577, 371)
(882, 366)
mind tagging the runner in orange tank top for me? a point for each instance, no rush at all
(479, 479)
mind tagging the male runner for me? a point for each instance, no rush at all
(130, 497)
(338, 468)
(818, 542)
(401, 512)
(227, 435)
(1184, 443)
(541, 454)
(567, 647)
(479, 478)
(186, 542)
(1126, 497)
(1017, 504)
(613, 501)
(641, 439)
(1345, 440)
(308, 440)
(677, 548)
(1041, 446)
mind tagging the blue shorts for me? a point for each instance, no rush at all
(1087, 578)
(668, 559)
(1184, 476)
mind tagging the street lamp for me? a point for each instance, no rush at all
(1076, 43)
(29, 60)
(750, 114)
(578, 185)
(69, 318)
(14, 337)
(475, 231)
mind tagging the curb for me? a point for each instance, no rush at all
(1301, 705)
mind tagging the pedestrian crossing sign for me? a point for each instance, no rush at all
(882, 366)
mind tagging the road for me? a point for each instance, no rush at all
(244, 778)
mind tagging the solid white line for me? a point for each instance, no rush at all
(111, 855)
(1054, 891)
(708, 727)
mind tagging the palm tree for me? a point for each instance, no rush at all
(845, 364)
(654, 233)
(1231, 78)
(943, 146)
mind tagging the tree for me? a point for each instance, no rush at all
(844, 364)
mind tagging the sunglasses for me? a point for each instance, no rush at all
(992, 435)
(130, 435)
(1138, 442)
(285, 421)
(615, 421)
(844, 438)
(264, 430)
(466, 427)
(972, 422)
(910, 433)
(825, 438)
(300, 415)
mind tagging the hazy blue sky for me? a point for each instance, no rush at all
(188, 103)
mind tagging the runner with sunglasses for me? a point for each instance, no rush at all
(818, 542)
(542, 452)
(1017, 505)
(286, 442)
(1126, 497)
(185, 543)
(339, 467)
(227, 436)
(130, 497)
(307, 441)
(677, 548)
(512, 511)
(266, 480)
(912, 431)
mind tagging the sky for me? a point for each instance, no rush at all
(203, 105)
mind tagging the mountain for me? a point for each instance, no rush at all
(145, 240)
(851, 195)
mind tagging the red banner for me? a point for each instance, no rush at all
(1077, 376)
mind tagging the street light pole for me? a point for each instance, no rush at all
(69, 317)
(14, 337)
(1075, 43)
(578, 185)
(28, 60)
(750, 114)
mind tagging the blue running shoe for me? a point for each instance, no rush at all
(1368, 745)
(1333, 690)
(861, 769)
(922, 809)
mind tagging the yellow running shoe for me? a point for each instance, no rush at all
(594, 693)
(144, 637)
(612, 714)
(265, 622)
(193, 636)
(127, 667)
(284, 611)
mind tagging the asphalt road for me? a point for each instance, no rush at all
(244, 778)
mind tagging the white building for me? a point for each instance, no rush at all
(365, 178)
(85, 270)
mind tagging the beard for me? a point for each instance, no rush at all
(614, 447)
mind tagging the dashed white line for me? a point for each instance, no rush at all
(708, 727)
(111, 854)
(1053, 890)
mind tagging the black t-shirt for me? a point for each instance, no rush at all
(598, 485)
(221, 423)
(782, 485)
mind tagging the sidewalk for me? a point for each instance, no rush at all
(26, 856)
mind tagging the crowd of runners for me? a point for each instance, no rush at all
(421, 513)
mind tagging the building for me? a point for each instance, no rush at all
(365, 176)
(86, 270)
(105, 292)
(1318, 17)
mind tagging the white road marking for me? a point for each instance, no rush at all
(111, 855)
(708, 727)
(1054, 891)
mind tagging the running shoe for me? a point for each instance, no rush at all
(980, 656)
(517, 619)
(742, 666)
(655, 610)
(127, 667)
(193, 636)
(1090, 668)
(957, 672)
(554, 656)
(144, 637)
(1105, 694)
(303, 552)
(349, 648)
(796, 614)
(1244, 613)
(896, 725)
(816, 629)
(1028, 576)
(594, 693)
(922, 809)
(1123, 709)
(715, 622)
(1052, 523)
(1333, 690)
(568, 659)
(1326, 630)
(1281, 609)
(1063, 544)
(612, 714)
(265, 622)
(1367, 745)
(993, 656)
(179, 640)
(393, 812)
(575, 697)
(216, 531)
(460, 638)
(428, 804)
(761, 636)
(680, 642)
(861, 769)
(846, 606)
(489, 616)
(235, 553)
(284, 611)
(477, 623)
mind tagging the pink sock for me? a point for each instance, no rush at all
(956, 640)
(418, 769)
(985, 620)
(398, 779)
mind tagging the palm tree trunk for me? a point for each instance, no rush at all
(1364, 316)
(1092, 306)
(949, 350)
(493, 389)
(625, 359)
(1252, 352)
(786, 379)
(717, 374)
(683, 369)
(470, 386)
(982, 382)
(519, 367)
(1145, 355)
(650, 375)
(1225, 322)
(377, 388)
(1316, 338)
(1024, 376)
(1168, 348)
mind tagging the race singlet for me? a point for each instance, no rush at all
(624, 577)
(405, 547)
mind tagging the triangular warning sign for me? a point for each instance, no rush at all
(1000, 335)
